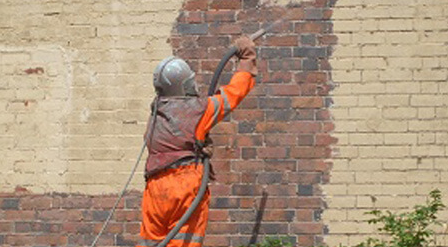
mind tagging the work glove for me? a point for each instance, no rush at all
(246, 55)
(207, 150)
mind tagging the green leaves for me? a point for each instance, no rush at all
(409, 229)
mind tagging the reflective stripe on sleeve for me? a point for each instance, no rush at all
(227, 107)
(215, 110)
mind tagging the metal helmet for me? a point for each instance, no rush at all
(173, 77)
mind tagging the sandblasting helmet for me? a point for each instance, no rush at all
(173, 77)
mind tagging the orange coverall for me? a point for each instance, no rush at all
(169, 193)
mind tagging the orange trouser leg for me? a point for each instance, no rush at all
(166, 198)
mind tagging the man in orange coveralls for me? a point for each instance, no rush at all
(183, 120)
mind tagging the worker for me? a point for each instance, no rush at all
(183, 120)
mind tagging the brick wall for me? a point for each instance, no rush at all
(78, 81)
(390, 111)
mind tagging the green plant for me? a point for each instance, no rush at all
(409, 229)
(273, 242)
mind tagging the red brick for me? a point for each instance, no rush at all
(248, 115)
(221, 165)
(210, 65)
(285, 64)
(275, 202)
(227, 177)
(106, 202)
(218, 215)
(328, 127)
(307, 228)
(272, 153)
(305, 140)
(247, 202)
(59, 214)
(277, 77)
(76, 202)
(220, 189)
(222, 228)
(249, 177)
(19, 240)
(305, 215)
(312, 27)
(305, 127)
(295, 14)
(284, 90)
(226, 153)
(289, 40)
(307, 240)
(194, 17)
(305, 202)
(127, 215)
(248, 140)
(246, 165)
(325, 140)
(278, 215)
(6, 227)
(51, 240)
(216, 240)
(225, 28)
(195, 5)
(307, 102)
(323, 115)
(280, 140)
(224, 128)
(19, 215)
(273, 127)
(115, 228)
(313, 165)
(77, 227)
(328, 39)
(312, 77)
(281, 190)
(280, 166)
(36, 202)
(194, 53)
(225, 4)
(220, 16)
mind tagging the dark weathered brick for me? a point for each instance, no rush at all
(310, 52)
(224, 202)
(308, 39)
(250, 3)
(192, 28)
(305, 190)
(10, 204)
(314, 13)
(270, 178)
(310, 64)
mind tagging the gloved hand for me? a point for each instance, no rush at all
(247, 55)
(208, 147)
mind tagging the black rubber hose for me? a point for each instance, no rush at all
(229, 54)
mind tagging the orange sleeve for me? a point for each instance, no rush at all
(222, 103)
